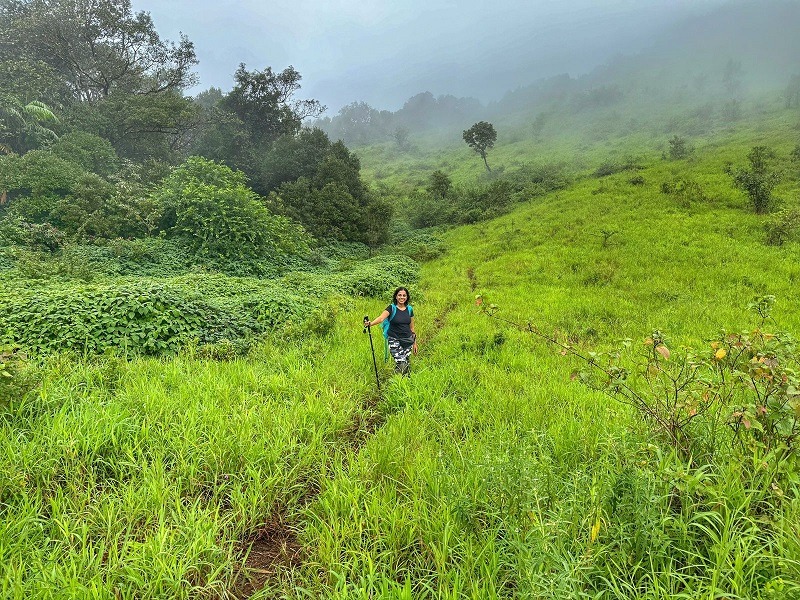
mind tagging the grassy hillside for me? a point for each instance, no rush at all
(497, 475)
(492, 472)
(584, 139)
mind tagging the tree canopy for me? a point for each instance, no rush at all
(96, 47)
(481, 137)
(96, 132)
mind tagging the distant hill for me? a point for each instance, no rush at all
(726, 54)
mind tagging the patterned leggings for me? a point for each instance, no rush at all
(400, 349)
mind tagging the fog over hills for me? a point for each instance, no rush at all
(763, 36)
(384, 52)
(723, 54)
(483, 59)
(760, 39)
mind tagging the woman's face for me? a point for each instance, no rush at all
(402, 297)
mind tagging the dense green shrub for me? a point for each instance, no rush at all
(759, 180)
(210, 206)
(292, 157)
(686, 191)
(612, 168)
(439, 183)
(32, 264)
(345, 251)
(91, 210)
(91, 152)
(322, 319)
(150, 256)
(607, 169)
(319, 185)
(6, 259)
(377, 276)
(419, 244)
(424, 210)
(335, 255)
(164, 257)
(232, 224)
(479, 203)
(155, 257)
(462, 205)
(679, 148)
(15, 231)
(538, 180)
(443, 204)
(140, 317)
(330, 212)
(155, 317)
(37, 173)
(46, 187)
(275, 309)
(781, 226)
(637, 180)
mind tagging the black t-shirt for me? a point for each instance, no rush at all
(400, 326)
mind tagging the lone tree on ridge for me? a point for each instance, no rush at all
(481, 137)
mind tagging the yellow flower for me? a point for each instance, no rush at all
(595, 529)
(720, 354)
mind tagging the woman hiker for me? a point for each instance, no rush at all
(400, 333)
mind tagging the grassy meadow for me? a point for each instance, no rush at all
(491, 472)
(498, 476)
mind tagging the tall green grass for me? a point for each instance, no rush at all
(147, 478)
(489, 473)
(497, 476)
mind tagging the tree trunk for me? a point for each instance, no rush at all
(483, 155)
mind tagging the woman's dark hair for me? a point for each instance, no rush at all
(401, 289)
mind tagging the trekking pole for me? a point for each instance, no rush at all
(367, 329)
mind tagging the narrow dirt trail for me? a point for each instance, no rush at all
(276, 547)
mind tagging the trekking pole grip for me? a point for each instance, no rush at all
(366, 323)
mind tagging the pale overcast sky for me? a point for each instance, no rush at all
(383, 51)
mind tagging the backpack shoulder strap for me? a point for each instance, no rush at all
(410, 311)
(385, 325)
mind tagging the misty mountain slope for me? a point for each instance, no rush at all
(763, 35)
(579, 142)
(729, 54)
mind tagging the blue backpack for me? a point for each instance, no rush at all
(385, 327)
